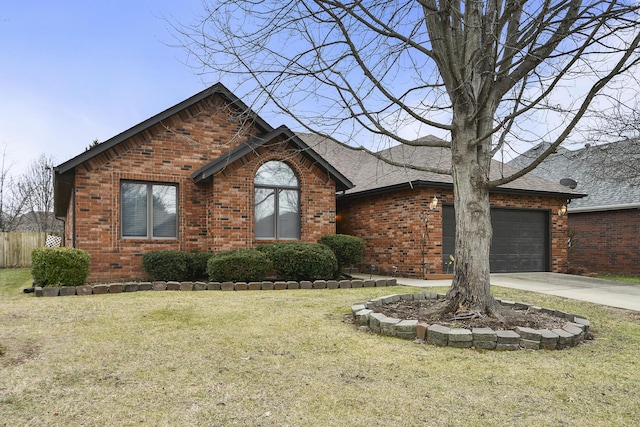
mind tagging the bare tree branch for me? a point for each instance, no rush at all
(11, 205)
(625, 63)
(484, 76)
(36, 189)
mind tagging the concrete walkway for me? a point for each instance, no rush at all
(599, 291)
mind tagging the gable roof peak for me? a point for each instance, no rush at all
(205, 173)
(217, 88)
(63, 173)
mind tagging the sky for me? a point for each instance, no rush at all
(74, 71)
(78, 70)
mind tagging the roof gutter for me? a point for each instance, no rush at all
(410, 185)
(603, 208)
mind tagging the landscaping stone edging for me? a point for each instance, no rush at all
(572, 334)
(116, 288)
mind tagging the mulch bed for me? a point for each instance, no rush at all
(430, 311)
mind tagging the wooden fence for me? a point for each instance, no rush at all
(15, 248)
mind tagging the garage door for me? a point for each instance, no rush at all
(520, 239)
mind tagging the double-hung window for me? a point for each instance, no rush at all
(149, 210)
(277, 202)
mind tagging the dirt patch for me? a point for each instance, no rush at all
(430, 311)
(14, 351)
(633, 316)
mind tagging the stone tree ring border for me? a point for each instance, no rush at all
(572, 334)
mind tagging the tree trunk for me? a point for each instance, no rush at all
(470, 289)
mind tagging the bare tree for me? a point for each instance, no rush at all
(616, 162)
(489, 75)
(36, 190)
(612, 152)
(10, 204)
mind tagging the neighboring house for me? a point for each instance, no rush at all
(210, 175)
(39, 222)
(604, 227)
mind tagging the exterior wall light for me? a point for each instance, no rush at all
(434, 203)
(562, 211)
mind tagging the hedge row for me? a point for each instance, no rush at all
(282, 261)
(176, 265)
(301, 261)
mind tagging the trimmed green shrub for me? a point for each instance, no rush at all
(59, 266)
(301, 261)
(197, 265)
(166, 265)
(349, 250)
(242, 265)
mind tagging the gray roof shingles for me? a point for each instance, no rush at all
(608, 174)
(369, 173)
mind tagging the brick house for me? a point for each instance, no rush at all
(604, 226)
(190, 178)
(210, 175)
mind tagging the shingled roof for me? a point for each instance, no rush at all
(206, 172)
(609, 174)
(372, 175)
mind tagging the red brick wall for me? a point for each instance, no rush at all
(391, 226)
(211, 217)
(231, 199)
(605, 242)
(393, 229)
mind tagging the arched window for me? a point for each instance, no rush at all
(277, 202)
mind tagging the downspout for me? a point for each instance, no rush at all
(73, 220)
(64, 224)
(73, 207)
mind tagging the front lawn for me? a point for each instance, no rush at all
(287, 358)
(14, 280)
(619, 278)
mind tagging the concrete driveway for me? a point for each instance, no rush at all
(599, 291)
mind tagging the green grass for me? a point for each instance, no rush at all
(287, 358)
(14, 280)
(619, 278)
